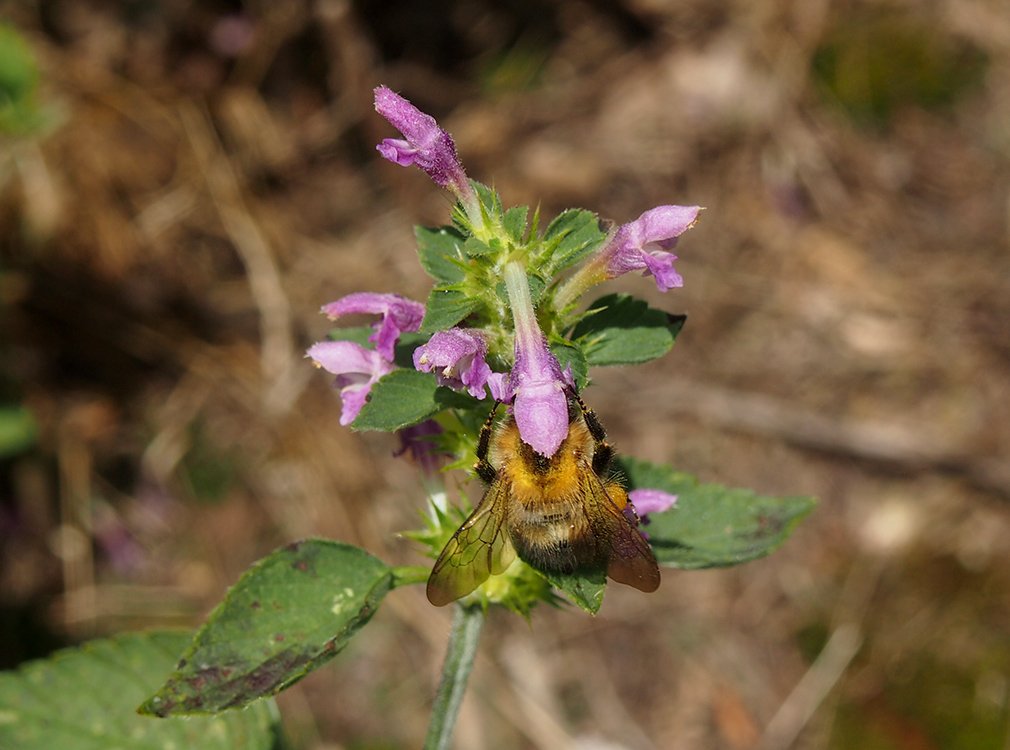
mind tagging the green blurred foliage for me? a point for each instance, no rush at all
(20, 112)
(873, 64)
(209, 469)
(519, 68)
(17, 430)
(933, 704)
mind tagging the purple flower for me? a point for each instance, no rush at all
(357, 369)
(426, 144)
(648, 501)
(643, 244)
(457, 357)
(418, 442)
(121, 549)
(536, 385)
(398, 313)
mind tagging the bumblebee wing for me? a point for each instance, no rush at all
(480, 547)
(620, 546)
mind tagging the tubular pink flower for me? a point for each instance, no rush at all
(426, 145)
(398, 313)
(357, 370)
(651, 501)
(536, 385)
(457, 357)
(643, 244)
(640, 245)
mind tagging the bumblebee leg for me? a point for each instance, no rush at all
(592, 421)
(602, 457)
(619, 497)
(604, 452)
(483, 467)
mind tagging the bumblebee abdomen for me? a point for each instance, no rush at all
(552, 536)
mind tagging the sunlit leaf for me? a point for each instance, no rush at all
(400, 399)
(711, 525)
(569, 238)
(440, 251)
(290, 613)
(622, 330)
(86, 698)
(584, 589)
(446, 307)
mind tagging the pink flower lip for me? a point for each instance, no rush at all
(457, 357)
(356, 368)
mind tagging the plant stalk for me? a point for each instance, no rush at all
(463, 638)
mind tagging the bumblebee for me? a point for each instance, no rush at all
(559, 514)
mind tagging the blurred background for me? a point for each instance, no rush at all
(182, 185)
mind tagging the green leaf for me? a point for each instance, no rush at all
(489, 200)
(356, 334)
(446, 307)
(17, 430)
(287, 615)
(567, 354)
(621, 330)
(538, 284)
(441, 254)
(584, 589)
(85, 699)
(570, 237)
(401, 398)
(515, 223)
(474, 248)
(713, 526)
(403, 352)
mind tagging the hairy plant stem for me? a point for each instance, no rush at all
(463, 638)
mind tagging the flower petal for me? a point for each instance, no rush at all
(541, 400)
(356, 369)
(457, 357)
(343, 357)
(659, 265)
(398, 313)
(500, 386)
(426, 145)
(352, 399)
(651, 501)
(642, 244)
(541, 413)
